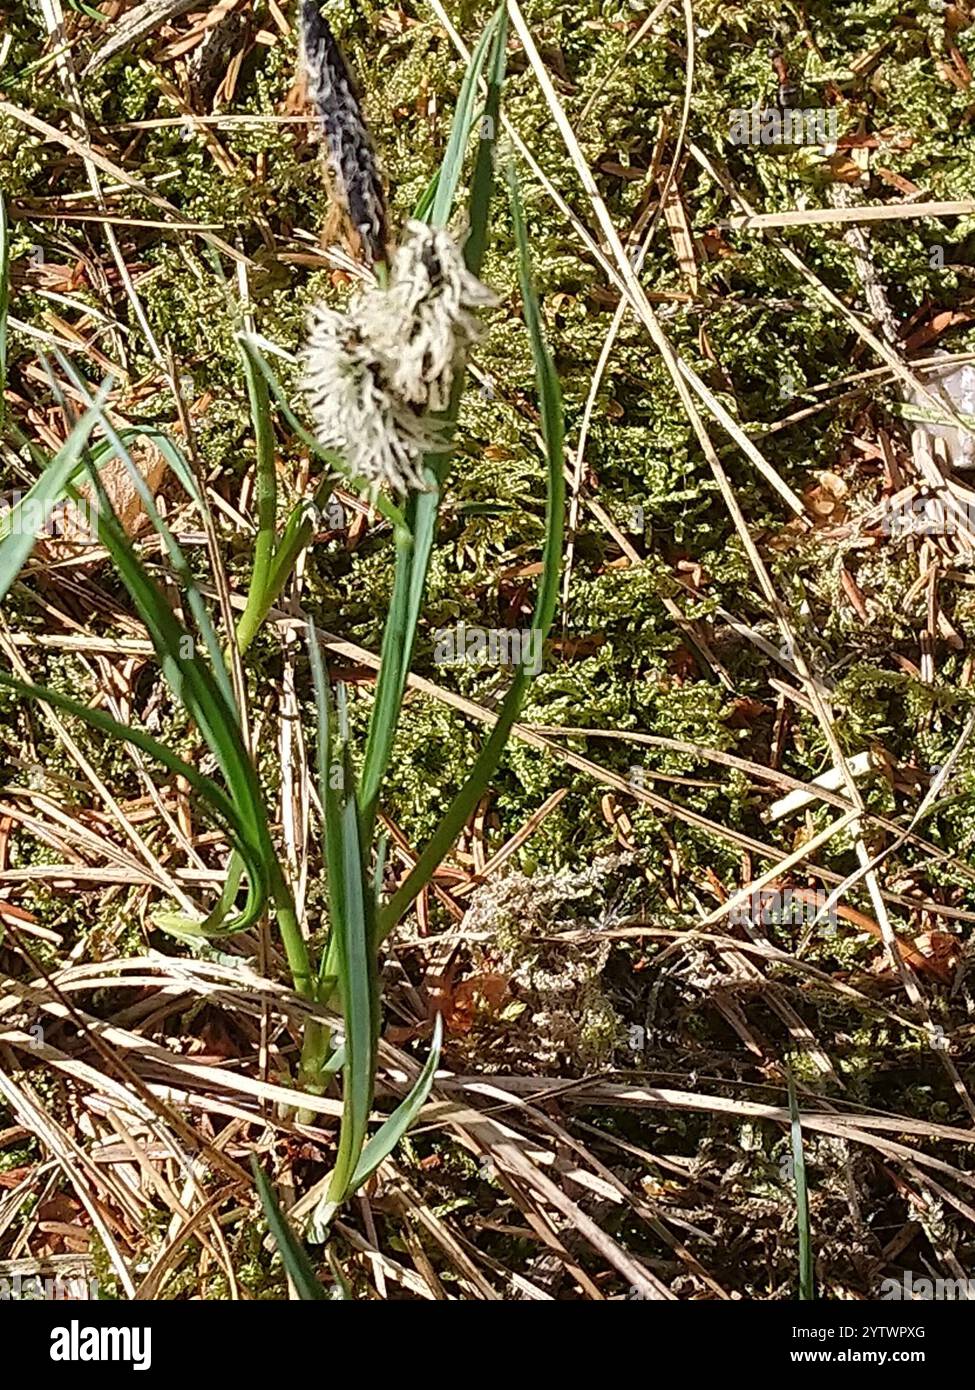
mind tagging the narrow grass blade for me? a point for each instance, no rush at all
(421, 211)
(209, 791)
(482, 180)
(204, 695)
(28, 517)
(89, 10)
(213, 925)
(452, 165)
(191, 679)
(173, 456)
(397, 646)
(357, 983)
(294, 1256)
(265, 495)
(550, 402)
(301, 524)
(194, 685)
(807, 1277)
(115, 445)
(384, 1141)
(352, 934)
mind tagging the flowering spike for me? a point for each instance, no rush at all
(333, 93)
(378, 375)
(354, 410)
(423, 323)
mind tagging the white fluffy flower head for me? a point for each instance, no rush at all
(376, 375)
(354, 410)
(423, 323)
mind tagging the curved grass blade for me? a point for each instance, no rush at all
(191, 680)
(294, 1256)
(207, 696)
(24, 520)
(243, 810)
(384, 1141)
(209, 791)
(115, 446)
(178, 924)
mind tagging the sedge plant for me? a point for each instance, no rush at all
(195, 660)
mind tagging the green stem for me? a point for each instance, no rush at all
(295, 537)
(397, 650)
(266, 498)
(261, 601)
(316, 1036)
